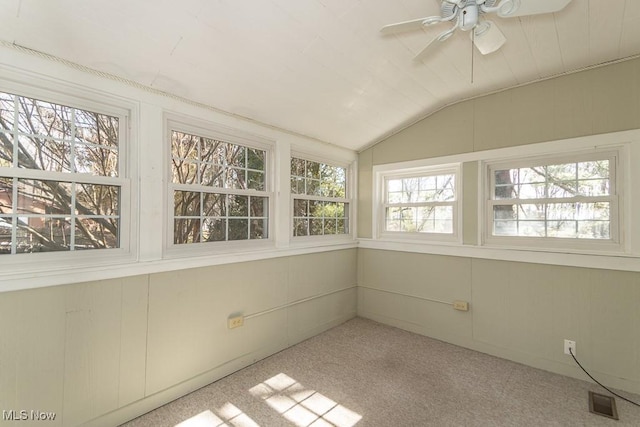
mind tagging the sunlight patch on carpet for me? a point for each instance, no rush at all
(302, 406)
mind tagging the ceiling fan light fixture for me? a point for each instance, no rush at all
(482, 28)
(489, 39)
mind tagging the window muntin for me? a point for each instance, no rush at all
(320, 203)
(59, 169)
(422, 203)
(219, 190)
(573, 199)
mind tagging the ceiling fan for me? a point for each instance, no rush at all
(466, 16)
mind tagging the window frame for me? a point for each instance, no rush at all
(379, 221)
(101, 103)
(190, 125)
(348, 199)
(616, 243)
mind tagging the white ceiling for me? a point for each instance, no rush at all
(315, 67)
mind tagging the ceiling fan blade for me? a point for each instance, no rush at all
(414, 24)
(488, 38)
(514, 8)
(433, 44)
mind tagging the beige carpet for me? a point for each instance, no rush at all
(367, 374)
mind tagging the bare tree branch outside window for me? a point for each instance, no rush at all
(66, 213)
(217, 196)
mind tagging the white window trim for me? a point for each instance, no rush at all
(219, 132)
(127, 113)
(626, 260)
(326, 239)
(616, 244)
(146, 162)
(380, 196)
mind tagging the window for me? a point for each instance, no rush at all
(563, 198)
(419, 202)
(60, 177)
(219, 190)
(320, 203)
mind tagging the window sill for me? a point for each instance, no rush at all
(49, 275)
(561, 257)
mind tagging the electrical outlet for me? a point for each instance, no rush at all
(461, 305)
(235, 321)
(568, 344)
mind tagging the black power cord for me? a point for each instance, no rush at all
(600, 384)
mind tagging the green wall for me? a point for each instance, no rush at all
(520, 311)
(104, 352)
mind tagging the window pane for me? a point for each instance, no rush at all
(214, 205)
(255, 159)
(504, 183)
(186, 203)
(44, 118)
(5, 235)
(596, 211)
(259, 229)
(563, 189)
(564, 211)
(44, 197)
(297, 185)
(259, 207)
(505, 212)
(256, 180)
(212, 175)
(566, 229)
(49, 155)
(530, 191)
(594, 229)
(313, 170)
(186, 230)
(330, 226)
(315, 227)
(300, 227)
(562, 172)
(96, 233)
(531, 175)
(530, 211)
(96, 129)
(93, 199)
(6, 149)
(184, 172)
(300, 208)
(238, 229)
(297, 167)
(214, 230)
(238, 205)
(593, 187)
(6, 195)
(237, 156)
(593, 170)
(43, 234)
(95, 160)
(531, 228)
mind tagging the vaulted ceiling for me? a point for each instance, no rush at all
(319, 68)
